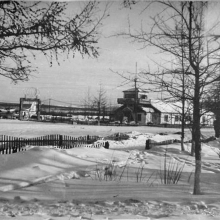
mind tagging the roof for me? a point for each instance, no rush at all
(147, 109)
(127, 109)
(166, 107)
(133, 90)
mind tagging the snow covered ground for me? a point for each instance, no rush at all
(50, 183)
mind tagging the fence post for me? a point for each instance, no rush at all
(88, 139)
(106, 146)
(147, 146)
(19, 144)
(6, 145)
(9, 145)
(60, 140)
(13, 145)
(3, 144)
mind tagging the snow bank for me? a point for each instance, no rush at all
(39, 162)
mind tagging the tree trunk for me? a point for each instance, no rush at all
(183, 123)
(193, 148)
(183, 87)
(196, 105)
(217, 125)
(193, 144)
(182, 144)
(197, 190)
(196, 134)
(183, 127)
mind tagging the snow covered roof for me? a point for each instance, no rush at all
(166, 107)
(147, 109)
(127, 109)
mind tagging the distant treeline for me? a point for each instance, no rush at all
(58, 110)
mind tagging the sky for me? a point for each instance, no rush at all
(70, 81)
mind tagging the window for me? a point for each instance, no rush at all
(188, 118)
(176, 117)
(139, 117)
(129, 96)
(203, 119)
(166, 118)
(143, 96)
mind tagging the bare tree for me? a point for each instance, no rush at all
(31, 27)
(87, 101)
(100, 100)
(194, 47)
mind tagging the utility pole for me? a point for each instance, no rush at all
(135, 100)
(98, 113)
(49, 105)
(103, 117)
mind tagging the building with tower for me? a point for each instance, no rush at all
(136, 107)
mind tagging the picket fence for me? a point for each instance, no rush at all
(9, 144)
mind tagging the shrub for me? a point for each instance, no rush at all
(171, 171)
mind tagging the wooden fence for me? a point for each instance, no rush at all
(9, 144)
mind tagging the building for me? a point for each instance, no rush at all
(136, 106)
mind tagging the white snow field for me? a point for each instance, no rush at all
(66, 184)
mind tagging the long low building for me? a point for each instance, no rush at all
(137, 106)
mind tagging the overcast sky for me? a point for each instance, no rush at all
(70, 81)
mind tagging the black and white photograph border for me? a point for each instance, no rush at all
(109, 110)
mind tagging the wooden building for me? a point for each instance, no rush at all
(136, 106)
